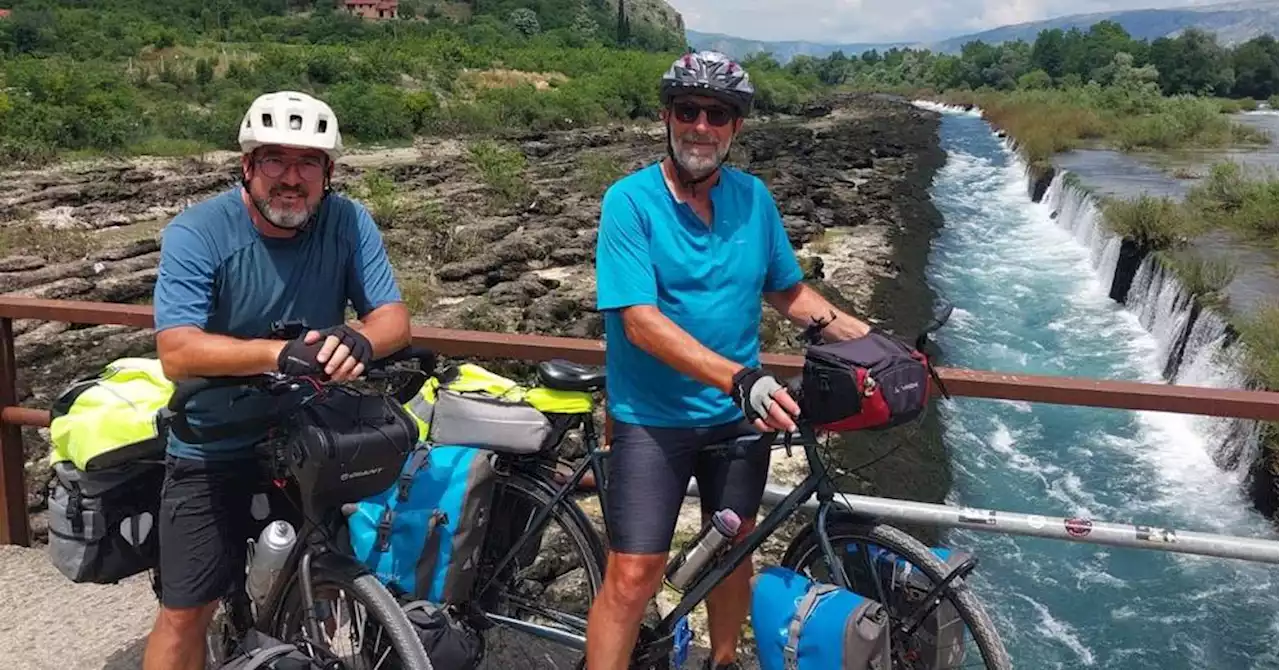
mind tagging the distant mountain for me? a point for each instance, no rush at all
(1232, 22)
(783, 51)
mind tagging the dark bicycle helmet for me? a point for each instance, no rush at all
(709, 73)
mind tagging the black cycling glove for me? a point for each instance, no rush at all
(753, 391)
(299, 358)
(361, 349)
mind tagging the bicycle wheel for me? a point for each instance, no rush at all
(935, 645)
(360, 609)
(547, 587)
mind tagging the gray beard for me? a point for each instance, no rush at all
(283, 218)
(696, 164)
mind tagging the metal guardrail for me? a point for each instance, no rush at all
(14, 527)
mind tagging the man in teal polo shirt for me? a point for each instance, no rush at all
(687, 249)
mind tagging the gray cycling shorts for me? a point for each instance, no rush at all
(649, 470)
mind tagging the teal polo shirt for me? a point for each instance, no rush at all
(709, 280)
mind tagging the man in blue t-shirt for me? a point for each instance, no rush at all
(686, 251)
(280, 247)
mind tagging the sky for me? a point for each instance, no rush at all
(883, 20)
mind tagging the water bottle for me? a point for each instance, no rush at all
(691, 559)
(269, 556)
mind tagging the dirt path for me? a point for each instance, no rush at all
(49, 623)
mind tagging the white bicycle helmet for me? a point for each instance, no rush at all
(293, 119)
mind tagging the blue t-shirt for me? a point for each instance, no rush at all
(218, 273)
(709, 280)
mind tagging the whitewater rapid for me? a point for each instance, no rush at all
(1030, 297)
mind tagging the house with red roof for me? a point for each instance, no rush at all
(373, 9)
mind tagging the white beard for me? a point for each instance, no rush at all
(695, 160)
(284, 218)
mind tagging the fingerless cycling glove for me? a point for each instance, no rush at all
(361, 349)
(753, 392)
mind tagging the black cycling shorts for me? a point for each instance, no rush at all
(649, 470)
(205, 519)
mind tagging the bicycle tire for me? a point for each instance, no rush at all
(585, 541)
(806, 545)
(380, 603)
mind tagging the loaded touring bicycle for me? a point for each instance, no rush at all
(472, 545)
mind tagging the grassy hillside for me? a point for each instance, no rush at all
(115, 77)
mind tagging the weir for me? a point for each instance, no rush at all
(1197, 345)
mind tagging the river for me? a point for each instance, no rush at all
(1126, 175)
(1028, 299)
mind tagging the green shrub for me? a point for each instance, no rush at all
(380, 195)
(1152, 222)
(1259, 335)
(599, 171)
(1230, 198)
(501, 169)
(1207, 279)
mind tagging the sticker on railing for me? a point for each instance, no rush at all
(1078, 527)
(975, 515)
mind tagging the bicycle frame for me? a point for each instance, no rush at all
(815, 483)
(727, 562)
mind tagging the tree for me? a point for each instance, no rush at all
(1255, 68)
(1048, 53)
(1035, 79)
(525, 20)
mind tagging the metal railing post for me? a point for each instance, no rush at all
(15, 527)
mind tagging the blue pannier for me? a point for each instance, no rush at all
(422, 536)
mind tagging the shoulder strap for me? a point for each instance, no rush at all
(803, 610)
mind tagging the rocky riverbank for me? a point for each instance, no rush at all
(501, 236)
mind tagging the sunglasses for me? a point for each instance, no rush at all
(309, 169)
(687, 112)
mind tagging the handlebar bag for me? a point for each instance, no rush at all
(868, 383)
(348, 446)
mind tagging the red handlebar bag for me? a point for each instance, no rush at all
(869, 383)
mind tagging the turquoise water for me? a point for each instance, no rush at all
(1028, 300)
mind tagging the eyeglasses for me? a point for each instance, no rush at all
(310, 168)
(687, 112)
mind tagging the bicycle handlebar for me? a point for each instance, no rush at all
(174, 415)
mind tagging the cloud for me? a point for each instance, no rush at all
(882, 20)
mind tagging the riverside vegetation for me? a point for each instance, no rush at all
(120, 78)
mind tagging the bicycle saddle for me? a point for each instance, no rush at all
(563, 375)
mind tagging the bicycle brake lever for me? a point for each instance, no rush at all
(786, 444)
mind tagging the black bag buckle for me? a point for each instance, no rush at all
(75, 509)
(383, 541)
(288, 329)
